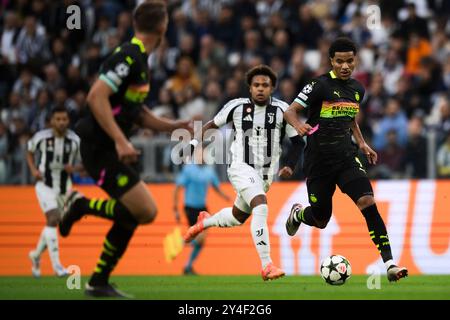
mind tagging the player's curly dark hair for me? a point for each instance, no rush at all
(261, 70)
(342, 44)
(149, 15)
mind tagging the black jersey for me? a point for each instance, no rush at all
(126, 73)
(331, 105)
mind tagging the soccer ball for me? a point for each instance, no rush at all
(335, 270)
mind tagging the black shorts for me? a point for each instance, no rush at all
(109, 173)
(192, 214)
(353, 181)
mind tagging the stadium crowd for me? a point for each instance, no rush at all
(404, 65)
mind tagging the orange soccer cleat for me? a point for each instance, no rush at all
(196, 228)
(270, 272)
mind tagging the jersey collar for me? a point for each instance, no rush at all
(139, 43)
(332, 74)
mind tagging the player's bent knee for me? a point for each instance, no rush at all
(365, 201)
(321, 224)
(147, 216)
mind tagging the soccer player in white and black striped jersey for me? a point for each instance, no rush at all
(259, 129)
(57, 149)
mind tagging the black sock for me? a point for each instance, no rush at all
(110, 209)
(306, 216)
(114, 247)
(377, 231)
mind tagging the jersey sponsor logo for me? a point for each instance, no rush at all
(307, 89)
(137, 93)
(339, 109)
(248, 118)
(122, 180)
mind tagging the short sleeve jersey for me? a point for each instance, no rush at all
(125, 71)
(331, 105)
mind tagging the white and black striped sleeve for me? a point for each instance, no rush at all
(290, 131)
(226, 113)
(33, 143)
(76, 141)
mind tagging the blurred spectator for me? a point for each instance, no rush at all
(417, 49)
(415, 162)
(9, 37)
(40, 111)
(307, 30)
(286, 91)
(225, 28)
(391, 68)
(414, 24)
(124, 26)
(53, 78)
(60, 55)
(211, 54)
(15, 108)
(213, 94)
(185, 84)
(104, 31)
(265, 8)
(375, 100)
(32, 47)
(74, 81)
(393, 120)
(443, 159)
(27, 86)
(357, 29)
(390, 158)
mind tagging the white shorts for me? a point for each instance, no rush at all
(248, 183)
(48, 198)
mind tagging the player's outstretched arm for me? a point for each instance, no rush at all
(151, 121)
(291, 117)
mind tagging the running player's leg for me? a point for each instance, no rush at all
(224, 218)
(197, 243)
(318, 213)
(136, 203)
(361, 192)
(117, 179)
(49, 236)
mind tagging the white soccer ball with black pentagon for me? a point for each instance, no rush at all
(335, 269)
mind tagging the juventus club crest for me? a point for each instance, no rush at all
(271, 117)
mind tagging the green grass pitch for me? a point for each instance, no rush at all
(234, 288)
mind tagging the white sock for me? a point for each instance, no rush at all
(389, 263)
(260, 233)
(223, 219)
(52, 244)
(41, 245)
